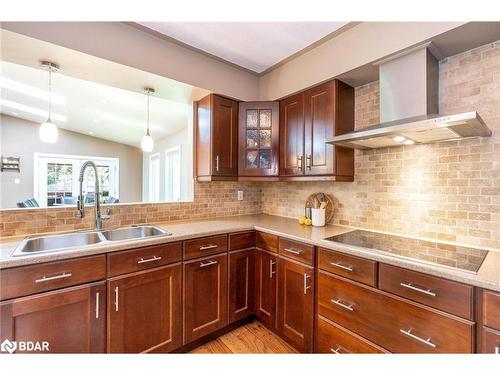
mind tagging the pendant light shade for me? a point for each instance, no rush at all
(147, 142)
(48, 130)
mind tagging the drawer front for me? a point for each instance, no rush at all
(140, 259)
(442, 294)
(396, 324)
(491, 309)
(354, 268)
(297, 251)
(23, 281)
(205, 246)
(332, 338)
(266, 241)
(490, 341)
(243, 240)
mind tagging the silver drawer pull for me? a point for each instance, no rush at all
(153, 259)
(423, 291)
(347, 268)
(116, 298)
(419, 339)
(208, 247)
(271, 272)
(64, 275)
(97, 305)
(293, 251)
(337, 350)
(212, 262)
(497, 349)
(339, 303)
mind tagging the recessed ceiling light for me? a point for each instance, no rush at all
(91, 133)
(32, 110)
(399, 138)
(29, 90)
(409, 142)
(14, 113)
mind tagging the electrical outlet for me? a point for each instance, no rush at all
(240, 195)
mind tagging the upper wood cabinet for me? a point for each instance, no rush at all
(307, 119)
(258, 139)
(71, 320)
(216, 131)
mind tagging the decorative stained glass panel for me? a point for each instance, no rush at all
(265, 138)
(252, 141)
(265, 159)
(265, 118)
(252, 159)
(251, 118)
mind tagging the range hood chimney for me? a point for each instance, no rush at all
(409, 97)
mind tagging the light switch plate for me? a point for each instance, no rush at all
(240, 195)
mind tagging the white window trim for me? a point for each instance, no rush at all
(172, 149)
(150, 185)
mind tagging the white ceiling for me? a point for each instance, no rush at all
(256, 46)
(88, 107)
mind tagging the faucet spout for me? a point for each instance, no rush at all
(81, 200)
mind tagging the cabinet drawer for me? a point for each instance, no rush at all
(490, 341)
(205, 246)
(442, 294)
(23, 281)
(332, 338)
(354, 268)
(242, 240)
(143, 258)
(296, 250)
(399, 325)
(266, 241)
(491, 309)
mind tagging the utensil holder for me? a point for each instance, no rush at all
(318, 217)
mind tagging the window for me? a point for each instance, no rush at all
(56, 179)
(173, 174)
(154, 178)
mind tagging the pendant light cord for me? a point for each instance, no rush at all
(50, 94)
(147, 131)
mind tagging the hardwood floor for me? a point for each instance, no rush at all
(252, 338)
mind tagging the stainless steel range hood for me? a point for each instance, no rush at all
(409, 107)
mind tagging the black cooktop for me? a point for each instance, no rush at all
(458, 257)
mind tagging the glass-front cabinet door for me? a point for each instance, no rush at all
(258, 139)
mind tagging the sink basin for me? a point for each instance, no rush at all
(130, 233)
(69, 241)
(36, 245)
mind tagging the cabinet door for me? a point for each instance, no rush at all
(241, 284)
(295, 304)
(144, 311)
(71, 320)
(224, 136)
(265, 287)
(205, 296)
(292, 135)
(258, 138)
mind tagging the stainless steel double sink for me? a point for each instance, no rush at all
(69, 241)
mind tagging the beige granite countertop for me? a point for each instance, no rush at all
(488, 275)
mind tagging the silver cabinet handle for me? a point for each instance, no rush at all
(271, 272)
(153, 259)
(423, 291)
(337, 350)
(306, 286)
(308, 162)
(497, 349)
(212, 262)
(97, 305)
(338, 265)
(419, 339)
(217, 163)
(299, 163)
(344, 306)
(208, 247)
(116, 298)
(293, 251)
(64, 275)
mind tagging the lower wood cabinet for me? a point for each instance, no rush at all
(145, 311)
(266, 266)
(205, 296)
(241, 284)
(490, 340)
(71, 320)
(296, 304)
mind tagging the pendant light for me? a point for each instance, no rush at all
(147, 142)
(48, 130)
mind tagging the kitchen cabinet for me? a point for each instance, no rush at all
(296, 304)
(216, 133)
(266, 267)
(307, 119)
(205, 296)
(145, 311)
(258, 139)
(241, 284)
(71, 320)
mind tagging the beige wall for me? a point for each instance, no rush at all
(20, 138)
(444, 191)
(360, 45)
